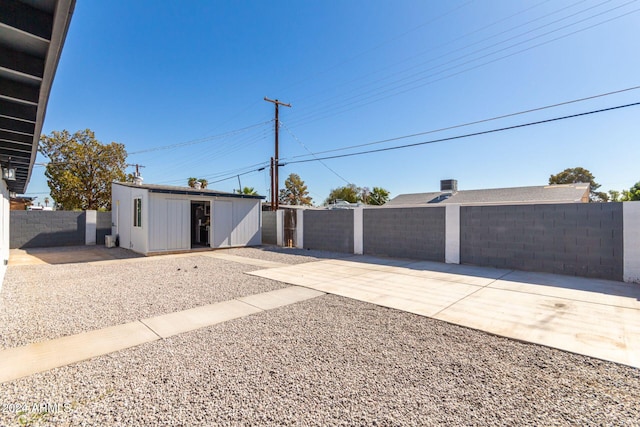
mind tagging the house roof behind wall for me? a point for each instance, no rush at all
(560, 193)
(169, 189)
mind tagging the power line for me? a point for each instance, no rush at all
(396, 87)
(201, 140)
(379, 45)
(447, 139)
(313, 154)
(467, 135)
(232, 173)
(453, 51)
(531, 110)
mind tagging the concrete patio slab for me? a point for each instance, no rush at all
(589, 290)
(598, 330)
(597, 318)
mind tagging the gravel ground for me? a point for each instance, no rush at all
(329, 361)
(40, 302)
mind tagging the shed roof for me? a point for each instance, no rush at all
(558, 193)
(169, 189)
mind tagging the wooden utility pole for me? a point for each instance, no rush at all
(137, 168)
(276, 159)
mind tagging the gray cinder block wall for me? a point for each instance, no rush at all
(417, 233)
(40, 229)
(597, 240)
(103, 226)
(33, 229)
(574, 239)
(330, 230)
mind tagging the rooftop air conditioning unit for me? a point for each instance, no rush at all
(109, 241)
(449, 185)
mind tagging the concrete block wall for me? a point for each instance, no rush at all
(33, 229)
(417, 233)
(574, 239)
(269, 227)
(103, 226)
(598, 240)
(39, 229)
(330, 230)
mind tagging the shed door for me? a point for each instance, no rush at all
(222, 219)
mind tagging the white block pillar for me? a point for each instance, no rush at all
(300, 228)
(631, 239)
(280, 227)
(90, 227)
(358, 231)
(452, 234)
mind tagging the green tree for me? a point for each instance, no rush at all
(295, 192)
(614, 196)
(378, 196)
(632, 194)
(349, 193)
(578, 174)
(81, 169)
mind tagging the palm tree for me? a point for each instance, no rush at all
(46, 201)
(192, 182)
(250, 191)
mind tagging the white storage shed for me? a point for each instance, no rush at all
(152, 219)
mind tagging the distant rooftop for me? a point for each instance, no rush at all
(558, 193)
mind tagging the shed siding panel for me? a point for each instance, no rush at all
(222, 224)
(157, 238)
(177, 226)
(169, 224)
(247, 223)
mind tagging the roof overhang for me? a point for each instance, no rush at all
(166, 189)
(32, 33)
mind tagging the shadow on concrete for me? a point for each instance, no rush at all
(316, 253)
(534, 279)
(575, 283)
(68, 255)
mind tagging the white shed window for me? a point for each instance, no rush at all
(137, 212)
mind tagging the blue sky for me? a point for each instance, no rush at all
(151, 74)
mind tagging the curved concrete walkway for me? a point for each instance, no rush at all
(597, 318)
